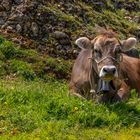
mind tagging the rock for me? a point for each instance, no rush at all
(26, 27)
(34, 28)
(3, 26)
(60, 35)
(45, 39)
(65, 41)
(18, 28)
(17, 41)
(7, 4)
(63, 44)
(58, 47)
(3, 14)
(2, 8)
(37, 20)
(41, 48)
(1, 21)
(18, 1)
(9, 29)
(75, 51)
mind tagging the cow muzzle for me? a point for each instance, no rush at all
(108, 72)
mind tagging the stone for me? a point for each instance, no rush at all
(17, 41)
(60, 35)
(18, 28)
(1, 21)
(64, 41)
(1, 8)
(7, 4)
(9, 29)
(18, 1)
(4, 26)
(3, 14)
(34, 28)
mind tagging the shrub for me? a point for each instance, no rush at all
(7, 49)
(2, 68)
(22, 68)
(60, 67)
(1, 39)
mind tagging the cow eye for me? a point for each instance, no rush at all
(96, 51)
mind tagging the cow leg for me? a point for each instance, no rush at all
(73, 91)
(80, 90)
(103, 99)
(122, 93)
(76, 95)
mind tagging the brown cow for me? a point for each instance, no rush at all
(102, 69)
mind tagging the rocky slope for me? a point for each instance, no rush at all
(44, 32)
(51, 26)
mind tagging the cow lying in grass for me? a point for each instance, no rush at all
(102, 68)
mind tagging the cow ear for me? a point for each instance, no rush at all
(83, 43)
(129, 43)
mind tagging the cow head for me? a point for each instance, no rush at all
(106, 52)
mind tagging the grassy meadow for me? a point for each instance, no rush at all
(42, 110)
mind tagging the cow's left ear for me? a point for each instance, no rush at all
(129, 43)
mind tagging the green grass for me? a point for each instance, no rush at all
(42, 110)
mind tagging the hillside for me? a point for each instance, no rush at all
(50, 28)
(38, 21)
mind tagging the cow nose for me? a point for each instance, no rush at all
(109, 70)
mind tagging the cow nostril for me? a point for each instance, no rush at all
(113, 70)
(105, 70)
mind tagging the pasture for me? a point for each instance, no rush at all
(34, 103)
(41, 109)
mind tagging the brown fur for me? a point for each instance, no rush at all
(129, 70)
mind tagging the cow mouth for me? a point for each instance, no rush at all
(108, 77)
(105, 86)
